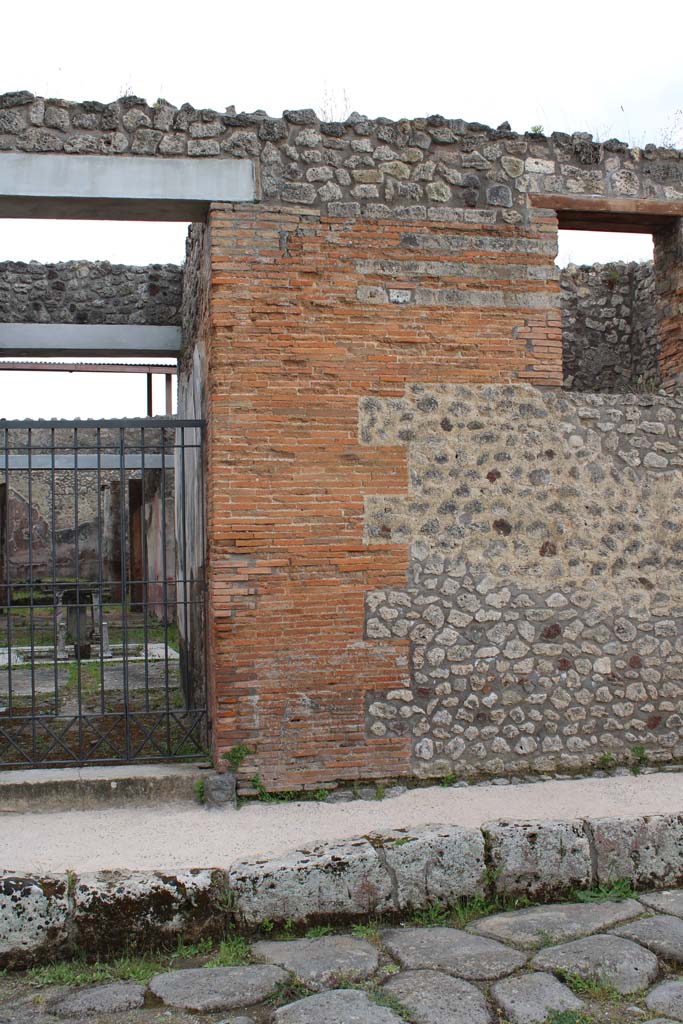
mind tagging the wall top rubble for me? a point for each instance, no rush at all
(430, 168)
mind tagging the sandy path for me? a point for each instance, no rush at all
(180, 835)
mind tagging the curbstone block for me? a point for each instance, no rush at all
(647, 850)
(115, 909)
(435, 863)
(34, 916)
(331, 879)
(538, 859)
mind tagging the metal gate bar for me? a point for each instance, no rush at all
(102, 605)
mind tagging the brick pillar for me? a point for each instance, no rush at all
(669, 285)
(310, 315)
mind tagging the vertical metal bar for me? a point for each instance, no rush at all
(183, 548)
(201, 497)
(77, 565)
(169, 394)
(100, 573)
(53, 545)
(149, 395)
(32, 634)
(8, 577)
(164, 590)
(124, 587)
(145, 570)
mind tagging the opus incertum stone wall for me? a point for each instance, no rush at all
(83, 292)
(543, 609)
(610, 329)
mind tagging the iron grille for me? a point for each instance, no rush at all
(102, 595)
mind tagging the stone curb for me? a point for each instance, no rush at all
(389, 872)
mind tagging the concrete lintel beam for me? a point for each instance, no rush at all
(120, 187)
(88, 340)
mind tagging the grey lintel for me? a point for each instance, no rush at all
(64, 340)
(120, 187)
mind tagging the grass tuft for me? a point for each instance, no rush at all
(318, 931)
(234, 951)
(568, 1017)
(77, 972)
(622, 889)
(288, 991)
(598, 989)
(369, 931)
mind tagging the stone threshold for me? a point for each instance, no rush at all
(67, 789)
(392, 872)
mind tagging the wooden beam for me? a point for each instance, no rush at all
(599, 213)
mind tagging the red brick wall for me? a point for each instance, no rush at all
(303, 326)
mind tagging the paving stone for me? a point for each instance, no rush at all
(662, 934)
(668, 902)
(449, 949)
(667, 998)
(113, 998)
(620, 962)
(338, 1006)
(556, 922)
(435, 998)
(529, 998)
(217, 988)
(320, 963)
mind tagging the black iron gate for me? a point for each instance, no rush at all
(102, 595)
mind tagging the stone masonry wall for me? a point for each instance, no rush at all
(542, 618)
(430, 168)
(610, 331)
(82, 292)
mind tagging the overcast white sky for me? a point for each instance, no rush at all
(587, 66)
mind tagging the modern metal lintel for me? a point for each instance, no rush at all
(69, 340)
(119, 187)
